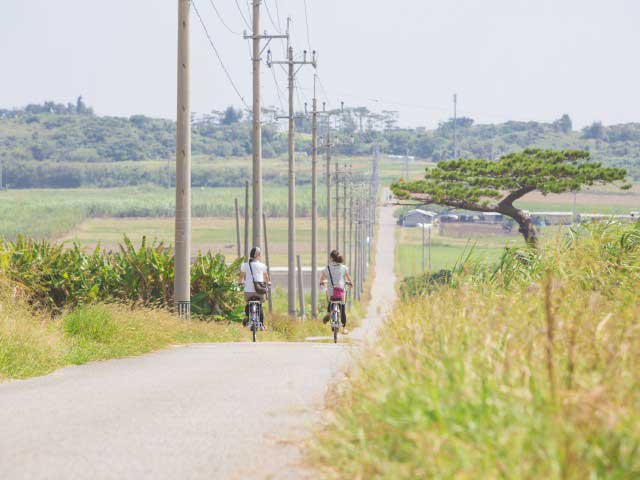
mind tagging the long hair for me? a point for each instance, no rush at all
(336, 257)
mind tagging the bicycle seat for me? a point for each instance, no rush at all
(255, 299)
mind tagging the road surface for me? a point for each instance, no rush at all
(209, 411)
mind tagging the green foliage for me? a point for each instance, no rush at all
(548, 171)
(90, 323)
(51, 145)
(537, 379)
(493, 186)
(57, 277)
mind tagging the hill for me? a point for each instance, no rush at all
(65, 146)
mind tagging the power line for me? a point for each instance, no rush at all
(215, 50)
(306, 19)
(278, 15)
(222, 19)
(276, 26)
(244, 19)
(275, 80)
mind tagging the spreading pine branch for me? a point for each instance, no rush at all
(486, 186)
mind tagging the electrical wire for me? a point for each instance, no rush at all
(222, 19)
(306, 19)
(215, 50)
(278, 15)
(275, 80)
(277, 28)
(244, 19)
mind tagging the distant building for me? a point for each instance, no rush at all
(414, 217)
(449, 218)
(552, 218)
(492, 217)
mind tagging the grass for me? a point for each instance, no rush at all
(446, 251)
(51, 213)
(532, 374)
(216, 234)
(32, 343)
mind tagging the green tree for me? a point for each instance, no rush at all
(485, 186)
(564, 124)
(231, 116)
(595, 131)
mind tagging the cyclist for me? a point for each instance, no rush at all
(338, 276)
(252, 272)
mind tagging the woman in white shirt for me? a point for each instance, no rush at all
(253, 271)
(336, 274)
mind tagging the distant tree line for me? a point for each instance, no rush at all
(55, 145)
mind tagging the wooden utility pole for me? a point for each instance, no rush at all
(256, 58)
(328, 181)
(300, 289)
(350, 218)
(291, 265)
(344, 208)
(182, 277)
(337, 181)
(266, 257)
(246, 221)
(238, 242)
(314, 204)
(257, 128)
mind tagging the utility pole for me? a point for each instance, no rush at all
(314, 203)
(344, 208)
(328, 181)
(256, 58)
(350, 218)
(337, 181)
(455, 122)
(293, 68)
(182, 277)
(257, 128)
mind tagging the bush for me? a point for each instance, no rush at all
(58, 278)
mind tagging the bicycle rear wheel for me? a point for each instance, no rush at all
(254, 329)
(335, 334)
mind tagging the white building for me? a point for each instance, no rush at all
(414, 217)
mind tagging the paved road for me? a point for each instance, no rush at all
(214, 411)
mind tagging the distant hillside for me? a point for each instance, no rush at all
(56, 145)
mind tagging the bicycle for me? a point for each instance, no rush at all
(255, 312)
(334, 312)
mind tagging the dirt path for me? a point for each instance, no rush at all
(215, 411)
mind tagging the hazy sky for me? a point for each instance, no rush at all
(506, 59)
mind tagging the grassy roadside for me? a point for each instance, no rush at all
(32, 344)
(530, 374)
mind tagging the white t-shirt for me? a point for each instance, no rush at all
(259, 269)
(338, 273)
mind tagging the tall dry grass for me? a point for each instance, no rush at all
(529, 371)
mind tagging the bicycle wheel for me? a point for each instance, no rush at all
(335, 334)
(253, 331)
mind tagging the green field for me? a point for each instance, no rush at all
(217, 234)
(446, 251)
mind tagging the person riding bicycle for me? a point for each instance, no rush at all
(337, 275)
(252, 272)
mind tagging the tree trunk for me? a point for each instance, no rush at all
(527, 228)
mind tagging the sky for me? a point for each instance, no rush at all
(505, 59)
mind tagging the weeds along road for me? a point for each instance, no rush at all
(213, 411)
